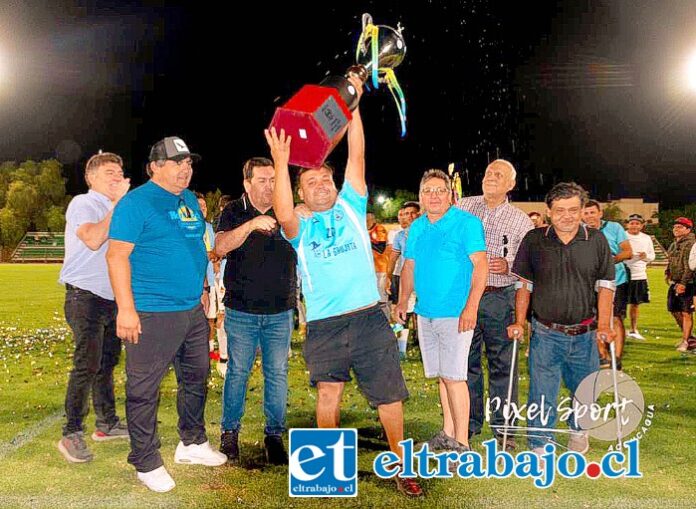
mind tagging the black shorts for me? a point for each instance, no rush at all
(621, 300)
(680, 303)
(361, 340)
(638, 291)
(394, 297)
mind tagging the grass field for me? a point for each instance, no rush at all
(35, 359)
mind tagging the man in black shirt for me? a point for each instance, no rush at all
(259, 299)
(563, 264)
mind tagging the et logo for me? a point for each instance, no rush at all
(323, 463)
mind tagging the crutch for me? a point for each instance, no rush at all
(513, 364)
(614, 376)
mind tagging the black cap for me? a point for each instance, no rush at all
(172, 148)
(636, 217)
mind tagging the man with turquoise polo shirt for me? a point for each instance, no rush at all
(157, 263)
(346, 328)
(445, 260)
(621, 250)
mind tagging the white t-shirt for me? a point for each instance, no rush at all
(640, 243)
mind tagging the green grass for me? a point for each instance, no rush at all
(30, 296)
(35, 360)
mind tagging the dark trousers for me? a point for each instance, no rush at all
(97, 349)
(179, 337)
(496, 312)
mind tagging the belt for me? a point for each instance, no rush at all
(490, 289)
(569, 330)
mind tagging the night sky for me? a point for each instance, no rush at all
(589, 91)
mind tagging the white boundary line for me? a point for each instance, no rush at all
(28, 435)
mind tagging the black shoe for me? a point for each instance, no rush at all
(604, 363)
(229, 446)
(275, 450)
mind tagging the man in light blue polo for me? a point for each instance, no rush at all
(90, 309)
(445, 260)
(346, 328)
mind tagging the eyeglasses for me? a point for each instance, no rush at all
(434, 190)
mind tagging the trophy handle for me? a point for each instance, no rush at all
(366, 20)
(359, 71)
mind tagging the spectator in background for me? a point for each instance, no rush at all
(222, 203)
(380, 255)
(680, 278)
(621, 251)
(643, 254)
(409, 212)
(538, 220)
(209, 241)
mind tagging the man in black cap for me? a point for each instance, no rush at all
(157, 263)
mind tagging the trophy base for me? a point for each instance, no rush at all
(317, 118)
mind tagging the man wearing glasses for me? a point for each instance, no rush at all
(505, 226)
(157, 263)
(445, 259)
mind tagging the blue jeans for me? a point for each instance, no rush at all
(496, 311)
(245, 333)
(552, 356)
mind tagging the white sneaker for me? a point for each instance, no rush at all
(222, 368)
(579, 441)
(157, 480)
(636, 335)
(199, 454)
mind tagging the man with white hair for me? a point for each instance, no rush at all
(504, 226)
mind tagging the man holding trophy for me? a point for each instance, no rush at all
(346, 327)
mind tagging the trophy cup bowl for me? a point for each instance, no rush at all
(317, 116)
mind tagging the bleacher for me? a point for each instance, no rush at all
(40, 247)
(660, 253)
